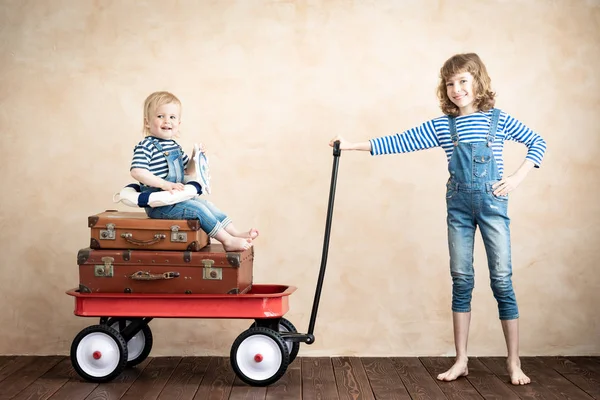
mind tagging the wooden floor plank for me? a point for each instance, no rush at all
(74, 390)
(25, 376)
(13, 366)
(46, 385)
(384, 380)
(318, 379)
(487, 383)
(417, 380)
(351, 378)
(552, 380)
(289, 387)
(186, 379)
(153, 379)
(587, 380)
(5, 360)
(589, 363)
(115, 389)
(458, 389)
(243, 391)
(535, 390)
(217, 381)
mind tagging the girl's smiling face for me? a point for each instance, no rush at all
(460, 91)
(164, 122)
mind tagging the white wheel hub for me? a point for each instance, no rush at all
(98, 354)
(259, 357)
(135, 345)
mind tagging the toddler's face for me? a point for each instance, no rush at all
(164, 122)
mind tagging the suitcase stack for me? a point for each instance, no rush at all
(131, 253)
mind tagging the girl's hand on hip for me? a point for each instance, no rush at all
(506, 185)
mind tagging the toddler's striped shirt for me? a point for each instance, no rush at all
(147, 156)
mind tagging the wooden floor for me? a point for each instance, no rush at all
(26, 377)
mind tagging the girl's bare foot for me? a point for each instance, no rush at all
(517, 376)
(457, 370)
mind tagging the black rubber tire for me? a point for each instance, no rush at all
(293, 347)
(113, 335)
(148, 339)
(277, 340)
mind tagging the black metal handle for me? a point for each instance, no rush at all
(336, 149)
(313, 316)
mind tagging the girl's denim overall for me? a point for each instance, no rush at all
(211, 218)
(471, 203)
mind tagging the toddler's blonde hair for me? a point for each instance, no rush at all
(154, 101)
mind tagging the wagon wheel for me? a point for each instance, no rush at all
(286, 326)
(139, 346)
(259, 356)
(99, 353)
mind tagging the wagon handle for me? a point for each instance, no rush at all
(313, 316)
(130, 239)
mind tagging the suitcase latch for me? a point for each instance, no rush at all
(176, 236)
(210, 272)
(105, 270)
(108, 233)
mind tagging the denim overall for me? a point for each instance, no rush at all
(471, 203)
(211, 218)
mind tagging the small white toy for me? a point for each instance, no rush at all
(130, 195)
(202, 171)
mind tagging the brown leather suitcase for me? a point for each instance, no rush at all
(135, 230)
(210, 270)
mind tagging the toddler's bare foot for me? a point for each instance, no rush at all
(517, 376)
(236, 244)
(253, 233)
(457, 370)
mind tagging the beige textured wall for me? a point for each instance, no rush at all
(266, 84)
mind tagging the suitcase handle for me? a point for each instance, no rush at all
(129, 239)
(147, 276)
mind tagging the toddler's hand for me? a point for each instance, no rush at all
(171, 187)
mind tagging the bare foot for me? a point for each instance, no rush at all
(236, 244)
(457, 370)
(253, 233)
(517, 376)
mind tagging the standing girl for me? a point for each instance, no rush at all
(472, 133)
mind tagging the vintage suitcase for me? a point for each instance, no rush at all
(135, 230)
(210, 270)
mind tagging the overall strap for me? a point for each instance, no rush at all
(156, 144)
(453, 131)
(493, 127)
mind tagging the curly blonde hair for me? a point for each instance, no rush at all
(154, 101)
(482, 84)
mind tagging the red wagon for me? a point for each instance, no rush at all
(259, 356)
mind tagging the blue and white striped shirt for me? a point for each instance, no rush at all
(471, 128)
(147, 156)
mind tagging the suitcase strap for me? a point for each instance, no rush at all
(147, 276)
